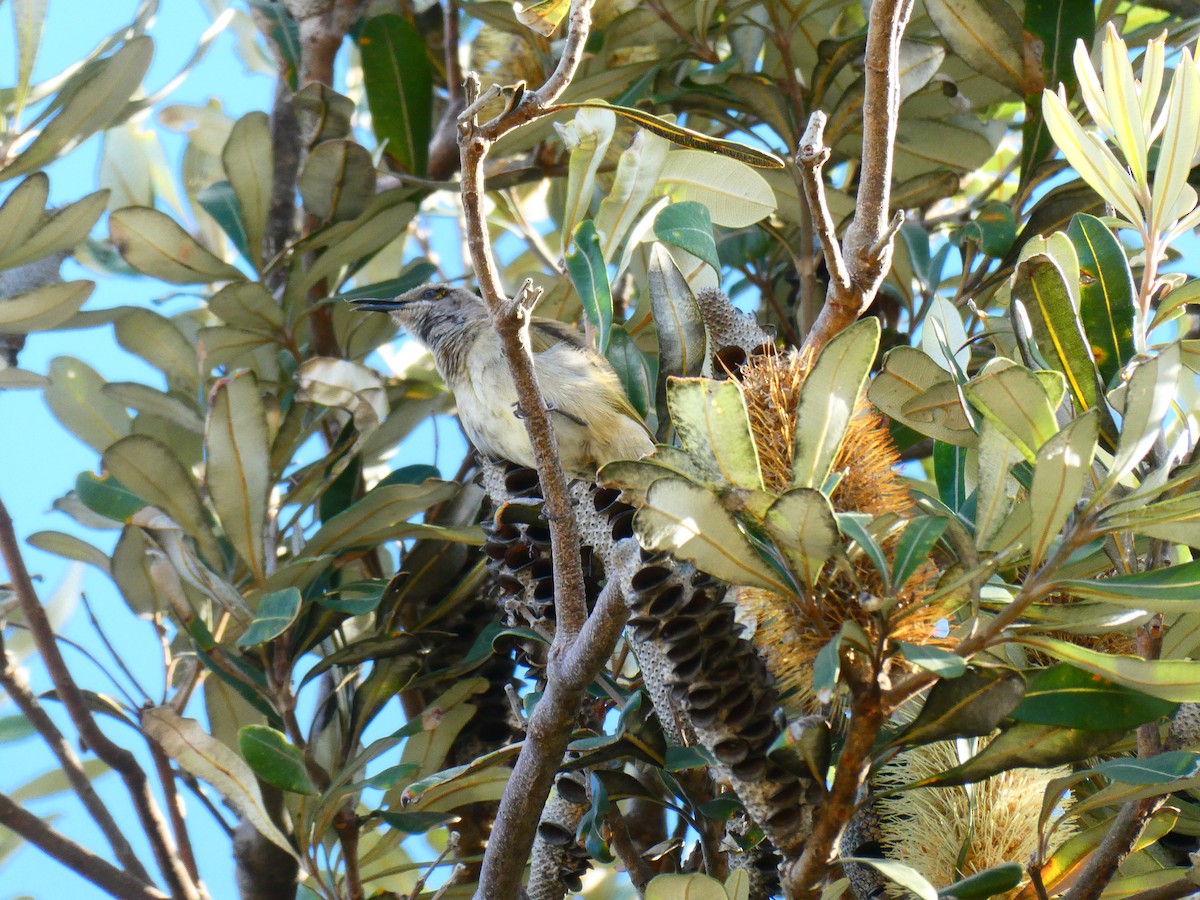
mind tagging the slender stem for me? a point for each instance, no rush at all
(804, 877)
(639, 870)
(72, 698)
(175, 810)
(16, 688)
(79, 859)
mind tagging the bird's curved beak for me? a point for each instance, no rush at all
(369, 304)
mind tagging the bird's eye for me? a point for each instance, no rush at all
(430, 294)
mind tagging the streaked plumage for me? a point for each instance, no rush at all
(593, 419)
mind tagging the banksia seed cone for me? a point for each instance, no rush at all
(558, 862)
(720, 689)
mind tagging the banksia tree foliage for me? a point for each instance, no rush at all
(902, 602)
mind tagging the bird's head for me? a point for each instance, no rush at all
(432, 313)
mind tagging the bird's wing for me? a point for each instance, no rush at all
(545, 333)
(550, 334)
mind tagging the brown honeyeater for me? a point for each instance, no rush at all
(593, 419)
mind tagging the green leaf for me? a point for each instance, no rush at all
(970, 705)
(399, 83)
(380, 515)
(695, 140)
(1026, 746)
(637, 173)
(828, 400)
(905, 876)
(585, 265)
(914, 390)
(1062, 473)
(688, 226)
(248, 305)
(802, 525)
(1058, 26)
(90, 101)
(1173, 590)
(735, 195)
(15, 728)
(44, 308)
(587, 137)
(1067, 696)
(283, 33)
(220, 202)
(685, 887)
(324, 114)
(918, 539)
(637, 370)
(204, 756)
(337, 181)
(1016, 401)
(74, 397)
(994, 229)
(677, 318)
(29, 17)
(950, 474)
(942, 663)
(59, 231)
(350, 243)
(156, 245)
(711, 420)
(106, 496)
(689, 522)
(1148, 397)
(69, 547)
(1176, 521)
(249, 162)
(237, 474)
(1163, 768)
(542, 16)
(150, 470)
(990, 882)
(159, 341)
(416, 822)
(1106, 301)
(276, 611)
(1177, 680)
(273, 759)
(856, 526)
(21, 213)
(1041, 286)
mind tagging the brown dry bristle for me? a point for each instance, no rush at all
(790, 633)
(869, 459)
(771, 385)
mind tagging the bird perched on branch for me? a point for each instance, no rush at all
(593, 419)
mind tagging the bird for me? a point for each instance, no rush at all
(594, 421)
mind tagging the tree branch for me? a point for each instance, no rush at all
(72, 698)
(78, 859)
(16, 688)
(867, 248)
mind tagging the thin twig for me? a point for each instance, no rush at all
(17, 688)
(72, 698)
(635, 864)
(811, 157)
(78, 859)
(175, 810)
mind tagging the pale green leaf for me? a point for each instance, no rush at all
(829, 398)
(1060, 476)
(44, 308)
(207, 758)
(689, 522)
(711, 421)
(156, 245)
(1016, 401)
(249, 162)
(237, 474)
(736, 196)
(74, 397)
(61, 231)
(802, 525)
(276, 611)
(587, 136)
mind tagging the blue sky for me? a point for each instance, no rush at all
(39, 459)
